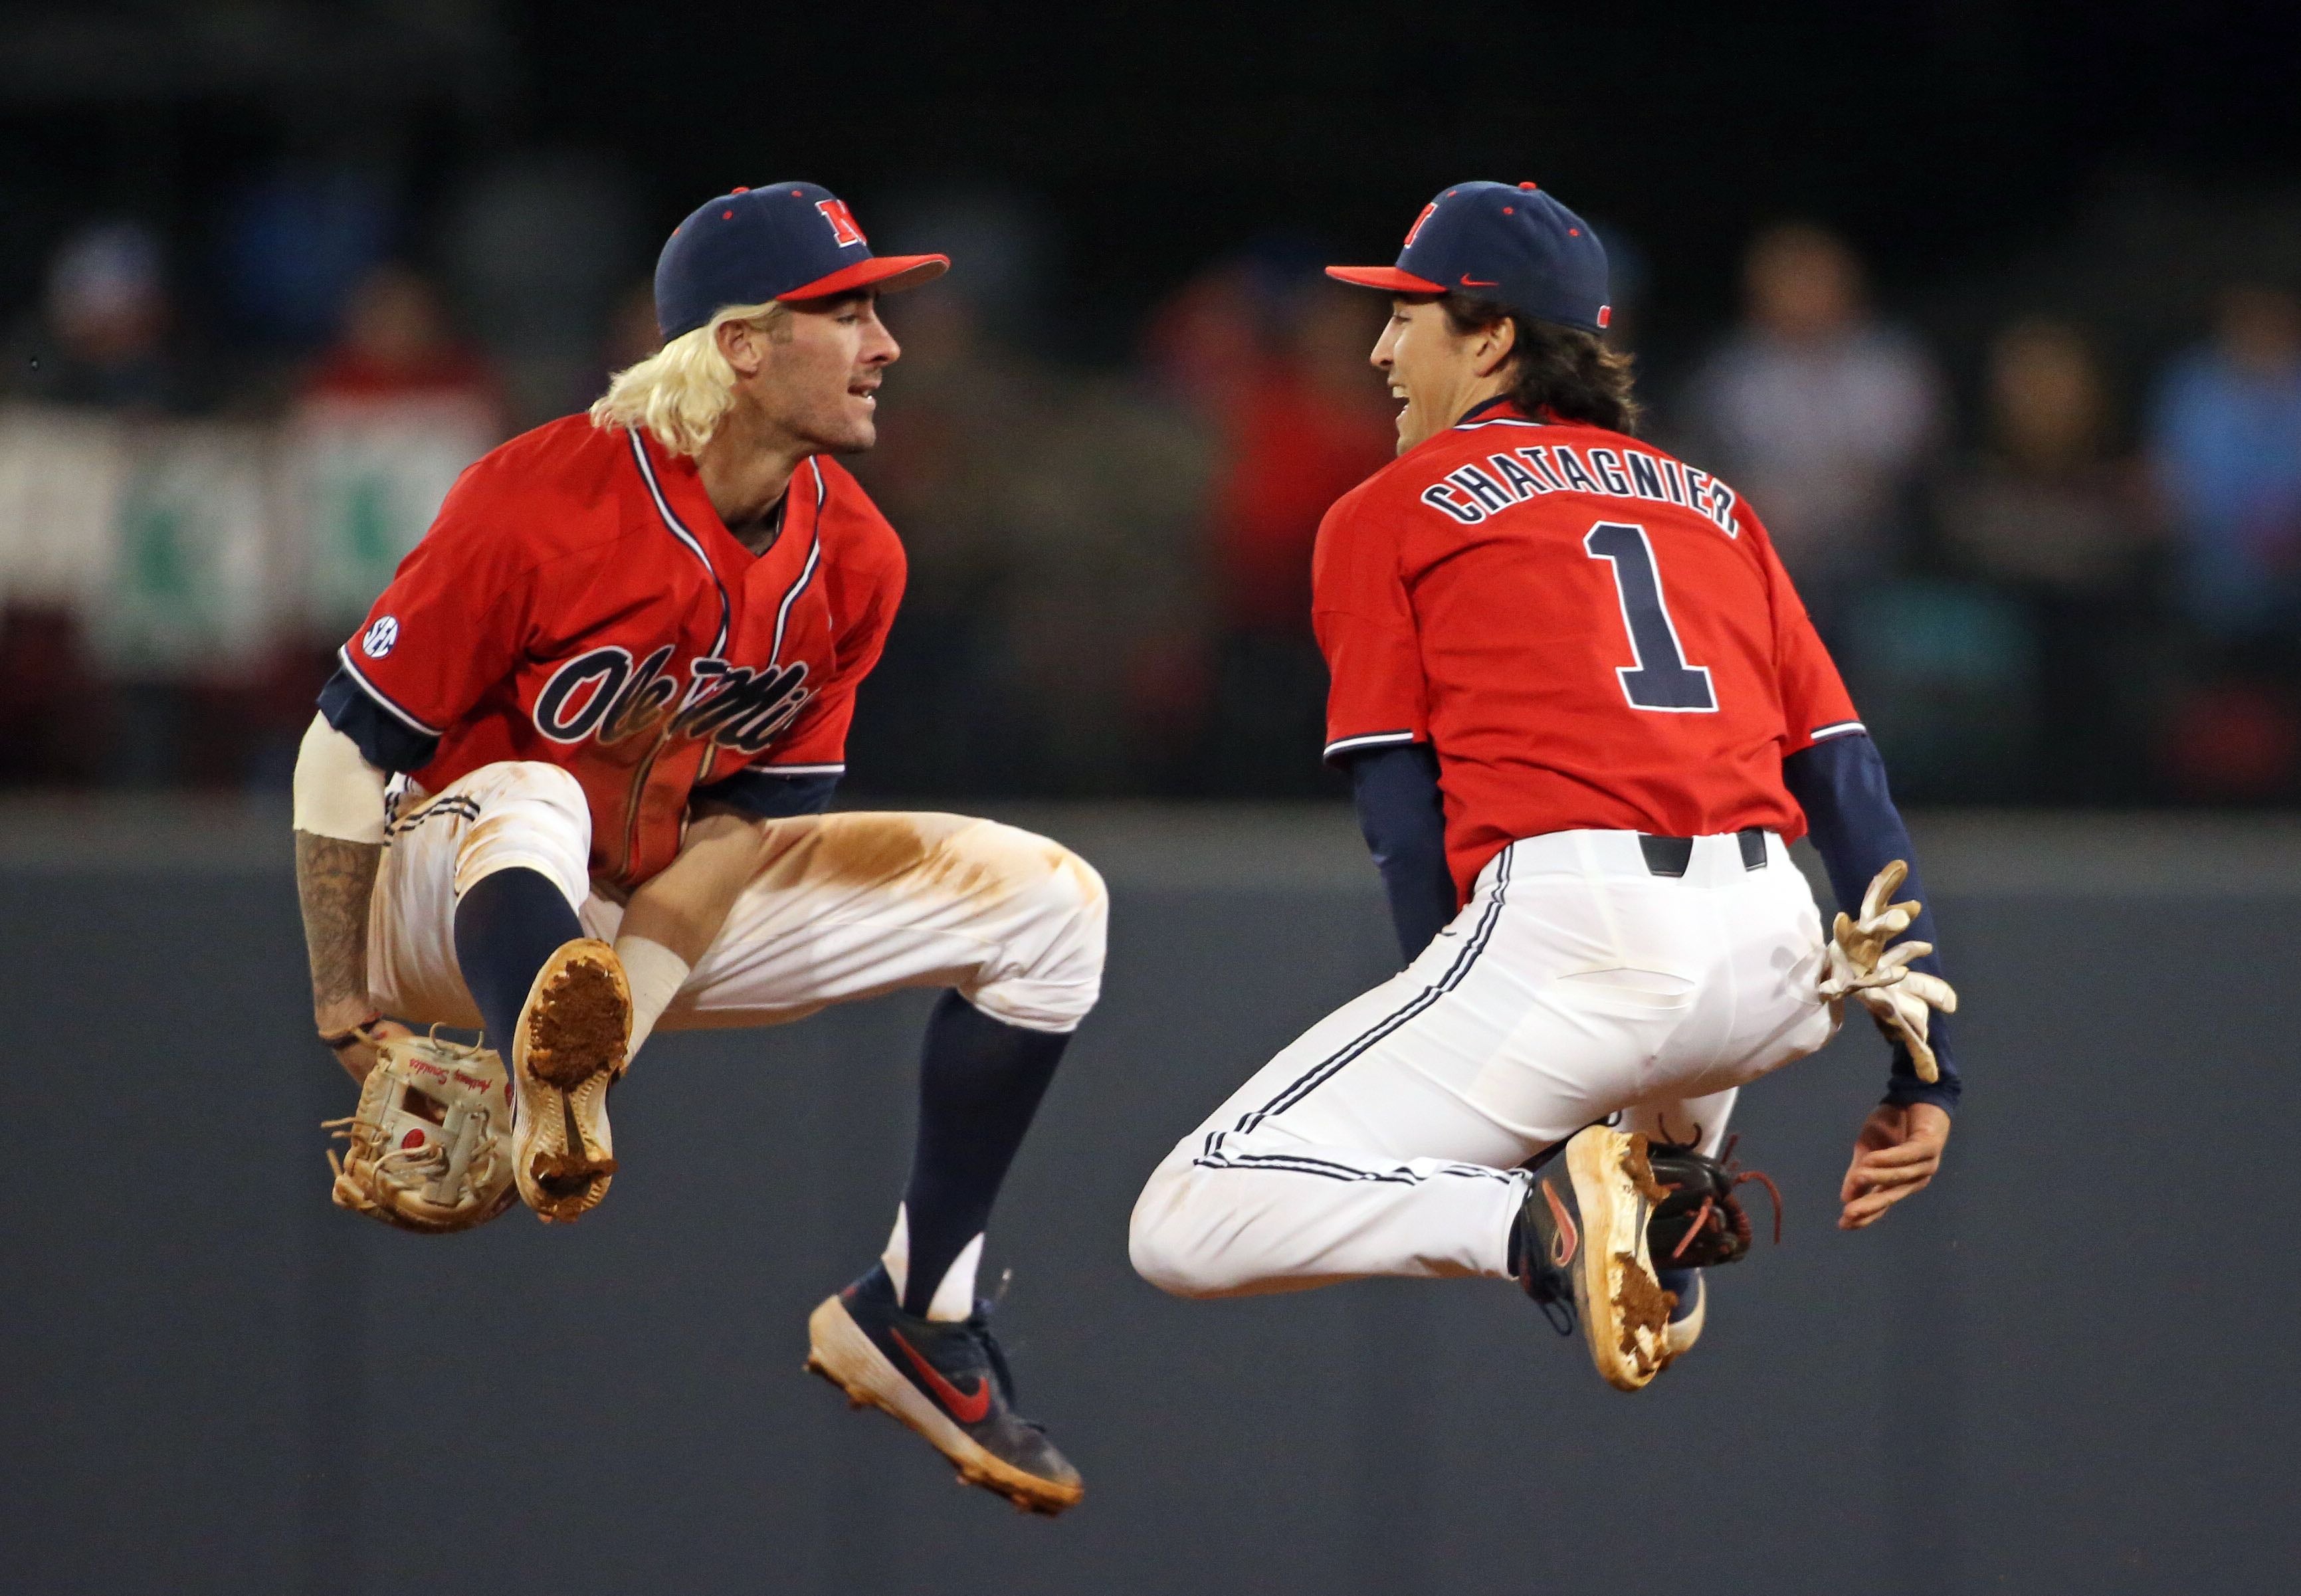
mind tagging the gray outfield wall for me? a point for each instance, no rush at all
(2070, 1366)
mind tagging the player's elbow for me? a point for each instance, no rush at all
(337, 793)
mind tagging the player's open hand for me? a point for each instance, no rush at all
(1895, 1156)
(1861, 964)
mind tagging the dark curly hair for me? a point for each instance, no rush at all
(1563, 371)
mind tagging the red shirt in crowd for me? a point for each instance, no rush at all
(1291, 448)
(1590, 634)
(578, 601)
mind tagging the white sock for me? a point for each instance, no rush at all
(655, 974)
(954, 1296)
(898, 1255)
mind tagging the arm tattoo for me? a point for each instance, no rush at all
(334, 880)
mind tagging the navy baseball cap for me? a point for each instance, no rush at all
(1504, 241)
(777, 241)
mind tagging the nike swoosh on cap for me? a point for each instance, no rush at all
(1469, 281)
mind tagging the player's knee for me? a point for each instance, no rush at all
(1053, 886)
(1073, 907)
(560, 781)
(528, 813)
(1168, 1243)
(531, 781)
(1048, 975)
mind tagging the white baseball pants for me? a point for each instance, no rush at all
(846, 907)
(1576, 986)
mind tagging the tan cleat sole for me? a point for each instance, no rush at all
(1684, 1333)
(568, 1053)
(1624, 1311)
(839, 1351)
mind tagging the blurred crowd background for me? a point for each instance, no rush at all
(2020, 401)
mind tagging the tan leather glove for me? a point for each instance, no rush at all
(1861, 965)
(429, 1148)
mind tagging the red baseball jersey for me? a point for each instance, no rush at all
(578, 601)
(1591, 635)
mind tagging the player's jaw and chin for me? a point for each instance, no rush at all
(817, 386)
(1437, 373)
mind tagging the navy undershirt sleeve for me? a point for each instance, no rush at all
(1404, 822)
(1841, 785)
(765, 796)
(385, 740)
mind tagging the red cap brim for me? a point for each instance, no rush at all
(888, 273)
(1390, 279)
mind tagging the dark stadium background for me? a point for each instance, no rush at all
(2064, 1368)
(1944, 137)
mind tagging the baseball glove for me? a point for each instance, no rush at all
(1700, 1222)
(1861, 966)
(429, 1148)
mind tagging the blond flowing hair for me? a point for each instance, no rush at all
(683, 390)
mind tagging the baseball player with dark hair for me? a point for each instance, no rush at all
(1584, 715)
(569, 784)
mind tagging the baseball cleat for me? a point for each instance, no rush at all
(947, 1380)
(1580, 1252)
(567, 1054)
(1693, 1307)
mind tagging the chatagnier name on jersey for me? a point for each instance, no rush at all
(1471, 493)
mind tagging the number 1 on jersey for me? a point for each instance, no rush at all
(1660, 678)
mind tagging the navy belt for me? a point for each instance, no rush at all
(1670, 855)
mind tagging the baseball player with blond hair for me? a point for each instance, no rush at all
(1584, 715)
(568, 785)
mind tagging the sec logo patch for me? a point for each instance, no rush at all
(379, 638)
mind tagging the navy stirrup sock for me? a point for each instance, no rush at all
(980, 1082)
(506, 927)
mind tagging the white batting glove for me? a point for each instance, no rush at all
(1861, 966)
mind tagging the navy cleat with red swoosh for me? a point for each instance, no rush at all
(947, 1380)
